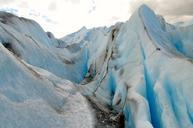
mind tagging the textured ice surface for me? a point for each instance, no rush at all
(141, 68)
(32, 96)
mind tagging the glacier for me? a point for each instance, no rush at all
(141, 69)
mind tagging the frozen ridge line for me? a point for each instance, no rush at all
(141, 68)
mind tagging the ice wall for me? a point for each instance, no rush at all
(144, 71)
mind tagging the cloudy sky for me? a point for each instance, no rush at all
(66, 16)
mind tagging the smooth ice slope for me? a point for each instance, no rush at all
(33, 45)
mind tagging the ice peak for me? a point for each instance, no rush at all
(144, 7)
(82, 29)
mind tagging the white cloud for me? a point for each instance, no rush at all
(65, 16)
(52, 6)
(2, 2)
(73, 1)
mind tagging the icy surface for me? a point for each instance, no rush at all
(32, 96)
(141, 68)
